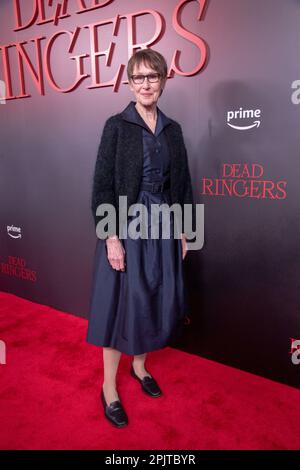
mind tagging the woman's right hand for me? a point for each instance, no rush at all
(115, 253)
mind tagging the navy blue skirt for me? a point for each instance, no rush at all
(143, 308)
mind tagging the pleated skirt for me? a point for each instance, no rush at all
(143, 308)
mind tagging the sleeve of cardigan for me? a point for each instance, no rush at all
(188, 197)
(103, 181)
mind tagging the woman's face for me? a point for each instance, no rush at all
(146, 93)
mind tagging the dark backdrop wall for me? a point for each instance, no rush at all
(234, 89)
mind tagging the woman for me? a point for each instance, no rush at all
(138, 300)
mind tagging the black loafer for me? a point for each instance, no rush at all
(149, 384)
(114, 412)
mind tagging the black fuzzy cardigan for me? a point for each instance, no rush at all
(119, 165)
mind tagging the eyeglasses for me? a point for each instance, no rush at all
(139, 79)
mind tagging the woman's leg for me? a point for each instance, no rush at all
(111, 359)
(139, 365)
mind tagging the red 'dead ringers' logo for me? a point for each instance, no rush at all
(243, 180)
(16, 267)
(82, 45)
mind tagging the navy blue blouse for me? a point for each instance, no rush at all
(156, 152)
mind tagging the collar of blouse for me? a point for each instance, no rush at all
(131, 114)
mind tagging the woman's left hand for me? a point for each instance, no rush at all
(184, 245)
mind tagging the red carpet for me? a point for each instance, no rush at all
(49, 395)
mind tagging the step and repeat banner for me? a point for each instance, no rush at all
(234, 86)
